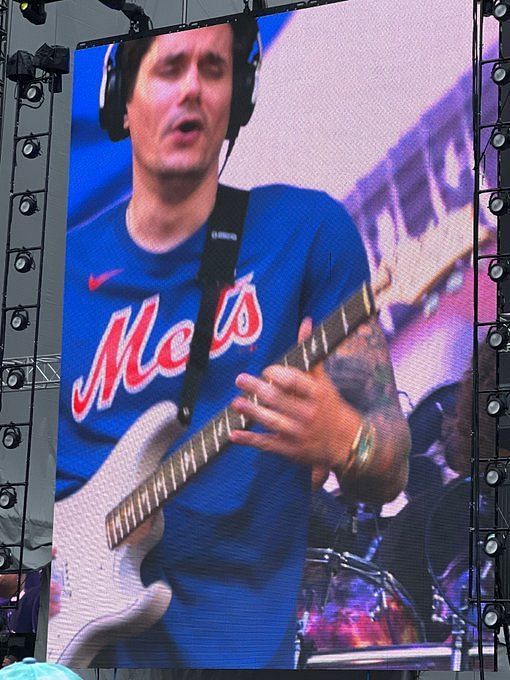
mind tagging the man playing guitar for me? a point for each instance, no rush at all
(235, 536)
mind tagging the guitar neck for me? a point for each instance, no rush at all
(209, 442)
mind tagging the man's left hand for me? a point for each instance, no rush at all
(306, 418)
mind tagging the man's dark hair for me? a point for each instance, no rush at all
(245, 32)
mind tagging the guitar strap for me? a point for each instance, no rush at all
(217, 270)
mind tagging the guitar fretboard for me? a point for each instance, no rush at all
(209, 442)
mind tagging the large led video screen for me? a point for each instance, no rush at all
(264, 435)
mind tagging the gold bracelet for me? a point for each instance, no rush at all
(361, 448)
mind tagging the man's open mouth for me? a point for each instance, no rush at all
(189, 126)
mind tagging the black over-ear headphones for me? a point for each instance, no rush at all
(247, 63)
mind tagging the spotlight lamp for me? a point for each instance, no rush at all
(496, 405)
(20, 319)
(500, 138)
(501, 10)
(8, 497)
(6, 559)
(28, 204)
(499, 203)
(15, 378)
(494, 544)
(33, 92)
(11, 437)
(33, 11)
(497, 337)
(31, 147)
(498, 270)
(495, 473)
(501, 73)
(24, 261)
(493, 615)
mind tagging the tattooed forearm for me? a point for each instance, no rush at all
(362, 372)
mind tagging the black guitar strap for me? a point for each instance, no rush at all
(217, 270)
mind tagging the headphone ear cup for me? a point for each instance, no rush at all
(246, 96)
(241, 107)
(112, 105)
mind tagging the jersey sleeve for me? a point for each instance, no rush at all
(337, 262)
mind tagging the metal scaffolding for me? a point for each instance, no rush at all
(4, 21)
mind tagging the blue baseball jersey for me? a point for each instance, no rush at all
(235, 535)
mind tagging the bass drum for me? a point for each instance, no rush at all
(347, 603)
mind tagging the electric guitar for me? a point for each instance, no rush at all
(102, 533)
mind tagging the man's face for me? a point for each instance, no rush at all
(179, 112)
(7, 661)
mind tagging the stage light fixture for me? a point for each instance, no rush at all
(6, 559)
(499, 203)
(28, 204)
(33, 92)
(31, 147)
(15, 378)
(20, 67)
(496, 405)
(495, 474)
(494, 544)
(497, 337)
(498, 270)
(501, 73)
(19, 319)
(493, 615)
(34, 11)
(11, 437)
(501, 138)
(24, 261)
(501, 10)
(8, 497)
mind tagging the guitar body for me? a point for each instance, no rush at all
(102, 596)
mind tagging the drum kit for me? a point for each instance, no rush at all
(353, 612)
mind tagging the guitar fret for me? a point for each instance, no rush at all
(174, 483)
(146, 499)
(242, 419)
(344, 321)
(227, 422)
(162, 482)
(139, 503)
(305, 357)
(215, 436)
(204, 448)
(152, 487)
(124, 517)
(324, 339)
(112, 529)
(155, 489)
(313, 345)
(131, 509)
(118, 526)
(181, 460)
(192, 453)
